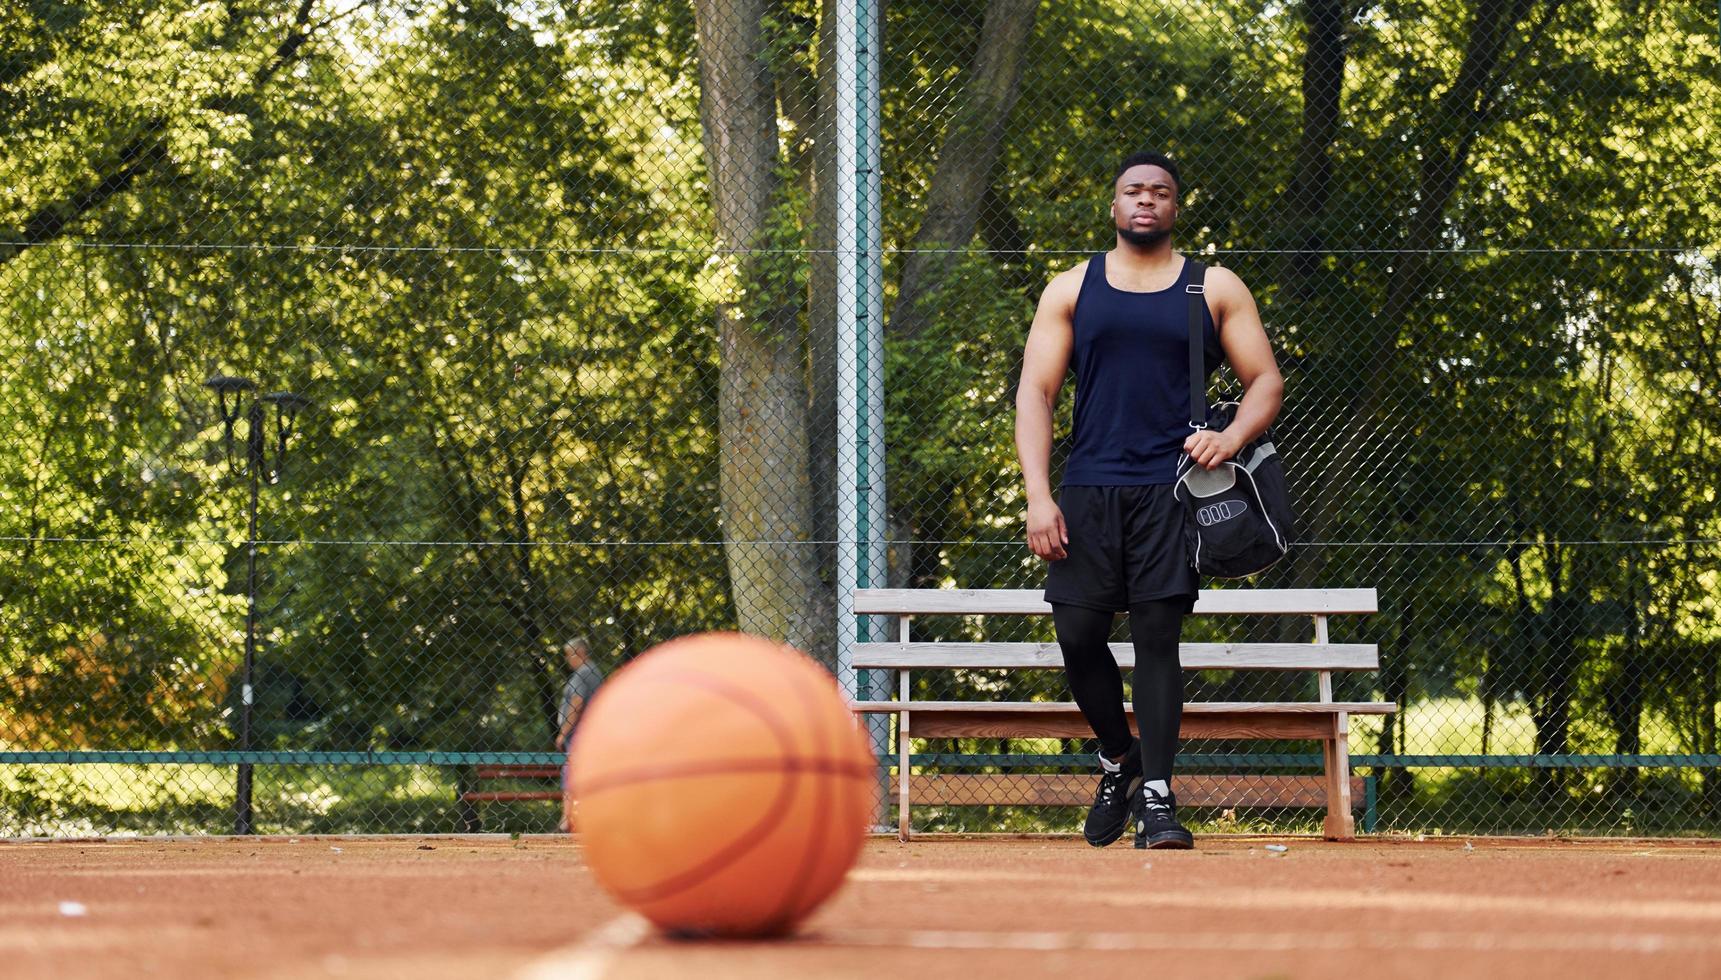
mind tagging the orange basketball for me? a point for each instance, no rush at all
(724, 787)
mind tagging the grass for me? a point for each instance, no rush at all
(100, 799)
(1453, 726)
(95, 799)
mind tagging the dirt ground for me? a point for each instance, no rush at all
(462, 907)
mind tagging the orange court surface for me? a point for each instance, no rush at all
(463, 907)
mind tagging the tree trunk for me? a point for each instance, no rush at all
(823, 318)
(1625, 694)
(1625, 705)
(1305, 200)
(1396, 782)
(765, 480)
(1558, 651)
(1485, 691)
(1007, 241)
(528, 590)
(1305, 205)
(514, 591)
(1706, 727)
(966, 168)
(965, 161)
(1455, 121)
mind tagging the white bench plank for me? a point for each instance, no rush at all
(1193, 707)
(1046, 724)
(1194, 656)
(962, 602)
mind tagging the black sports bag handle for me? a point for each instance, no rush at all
(1197, 290)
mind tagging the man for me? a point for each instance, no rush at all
(1113, 536)
(583, 680)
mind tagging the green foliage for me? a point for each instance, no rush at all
(478, 236)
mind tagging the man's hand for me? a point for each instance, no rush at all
(1046, 532)
(1209, 448)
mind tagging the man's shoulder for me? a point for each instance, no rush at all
(1223, 280)
(1068, 283)
(1075, 273)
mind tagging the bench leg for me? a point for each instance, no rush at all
(902, 762)
(1340, 825)
(466, 811)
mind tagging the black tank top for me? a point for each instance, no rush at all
(1131, 359)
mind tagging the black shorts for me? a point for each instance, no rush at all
(1126, 546)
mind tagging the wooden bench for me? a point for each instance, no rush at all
(1323, 720)
(468, 794)
(979, 789)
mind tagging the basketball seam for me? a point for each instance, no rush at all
(781, 765)
(747, 840)
(668, 887)
(791, 898)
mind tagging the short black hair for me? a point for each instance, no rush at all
(1150, 158)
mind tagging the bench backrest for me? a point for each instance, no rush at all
(902, 654)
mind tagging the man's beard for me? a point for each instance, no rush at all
(1144, 239)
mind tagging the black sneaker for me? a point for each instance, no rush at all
(1109, 815)
(1156, 823)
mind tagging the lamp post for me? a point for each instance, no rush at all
(230, 395)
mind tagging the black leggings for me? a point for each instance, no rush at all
(1155, 627)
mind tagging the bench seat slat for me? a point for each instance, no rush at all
(1063, 789)
(509, 796)
(1071, 789)
(519, 771)
(1067, 708)
(1017, 724)
(964, 602)
(1194, 656)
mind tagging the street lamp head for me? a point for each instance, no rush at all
(288, 405)
(289, 402)
(225, 386)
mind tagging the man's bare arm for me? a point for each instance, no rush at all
(1251, 357)
(1045, 361)
(575, 706)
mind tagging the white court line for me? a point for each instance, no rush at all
(592, 956)
(951, 875)
(1331, 899)
(1645, 943)
(1334, 899)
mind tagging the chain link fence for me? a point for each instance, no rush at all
(356, 355)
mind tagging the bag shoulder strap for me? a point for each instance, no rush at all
(1196, 288)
